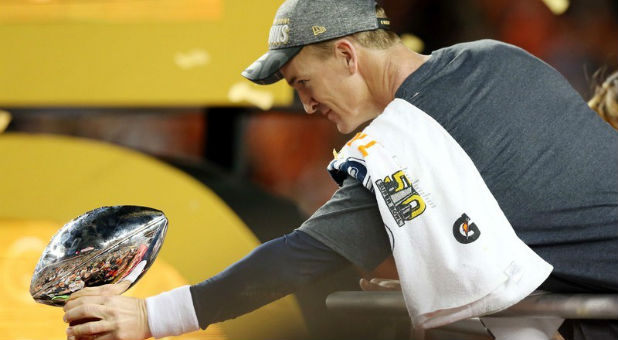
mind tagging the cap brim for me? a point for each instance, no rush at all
(266, 70)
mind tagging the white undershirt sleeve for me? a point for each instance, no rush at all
(171, 313)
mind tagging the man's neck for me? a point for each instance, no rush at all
(388, 69)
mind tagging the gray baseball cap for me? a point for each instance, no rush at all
(303, 22)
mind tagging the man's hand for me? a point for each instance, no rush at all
(101, 313)
(379, 284)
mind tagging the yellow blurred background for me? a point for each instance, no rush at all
(133, 52)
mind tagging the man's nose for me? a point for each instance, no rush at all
(309, 104)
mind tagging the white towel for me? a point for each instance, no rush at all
(456, 253)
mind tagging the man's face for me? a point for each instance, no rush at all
(328, 86)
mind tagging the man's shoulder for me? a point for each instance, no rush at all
(485, 47)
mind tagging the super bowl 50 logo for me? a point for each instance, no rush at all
(402, 200)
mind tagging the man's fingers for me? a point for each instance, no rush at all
(89, 291)
(377, 280)
(121, 287)
(106, 317)
(84, 300)
(364, 284)
(109, 289)
(379, 284)
(386, 283)
(84, 292)
(100, 336)
(84, 312)
(90, 329)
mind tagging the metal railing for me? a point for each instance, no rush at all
(538, 304)
(573, 306)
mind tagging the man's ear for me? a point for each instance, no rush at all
(346, 53)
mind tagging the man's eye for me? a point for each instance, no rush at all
(303, 82)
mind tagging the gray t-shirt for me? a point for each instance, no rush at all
(550, 161)
(350, 224)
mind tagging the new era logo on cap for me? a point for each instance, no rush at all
(317, 30)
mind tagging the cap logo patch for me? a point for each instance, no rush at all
(317, 30)
(278, 35)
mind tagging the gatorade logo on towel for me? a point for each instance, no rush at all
(464, 231)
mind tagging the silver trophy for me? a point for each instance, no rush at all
(104, 245)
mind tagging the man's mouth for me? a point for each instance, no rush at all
(329, 114)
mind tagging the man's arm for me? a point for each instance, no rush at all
(348, 227)
(273, 270)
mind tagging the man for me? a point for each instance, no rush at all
(461, 145)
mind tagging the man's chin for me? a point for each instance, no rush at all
(348, 128)
(342, 128)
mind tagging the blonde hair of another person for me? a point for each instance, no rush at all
(605, 100)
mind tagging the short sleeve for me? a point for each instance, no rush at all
(350, 224)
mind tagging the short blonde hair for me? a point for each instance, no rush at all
(379, 39)
(605, 100)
